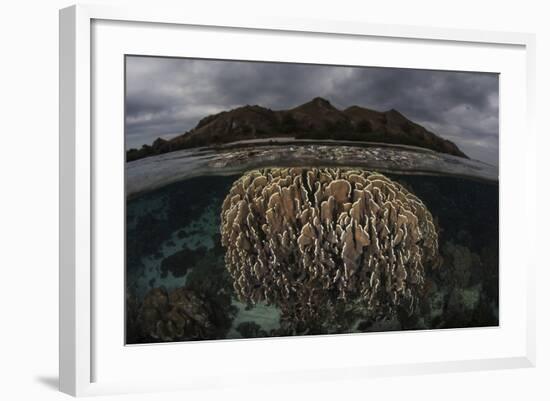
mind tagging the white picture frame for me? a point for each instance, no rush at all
(92, 361)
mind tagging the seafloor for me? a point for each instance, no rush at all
(173, 241)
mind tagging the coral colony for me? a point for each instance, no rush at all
(327, 244)
(175, 315)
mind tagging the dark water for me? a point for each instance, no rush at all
(174, 247)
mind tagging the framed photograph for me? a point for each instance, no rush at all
(278, 200)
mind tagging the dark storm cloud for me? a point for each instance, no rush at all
(168, 96)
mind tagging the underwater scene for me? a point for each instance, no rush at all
(312, 219)
(288, 251)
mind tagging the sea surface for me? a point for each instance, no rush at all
(173, 240)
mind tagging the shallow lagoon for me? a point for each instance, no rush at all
(173, 234)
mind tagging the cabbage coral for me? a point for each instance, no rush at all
(310, 240)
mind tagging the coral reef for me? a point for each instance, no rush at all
(461, 306)
(318, 241)
(210, 279)
(175, 316)
(460, 294)
(460, 263)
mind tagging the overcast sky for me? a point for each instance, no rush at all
(167, 96)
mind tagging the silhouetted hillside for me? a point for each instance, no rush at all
(316, 119)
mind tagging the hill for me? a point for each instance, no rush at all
(316, 119)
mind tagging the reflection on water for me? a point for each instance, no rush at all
(177, 281)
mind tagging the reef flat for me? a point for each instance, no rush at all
(153, 172)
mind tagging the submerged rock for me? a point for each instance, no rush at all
(251, 330)
(180, 262)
